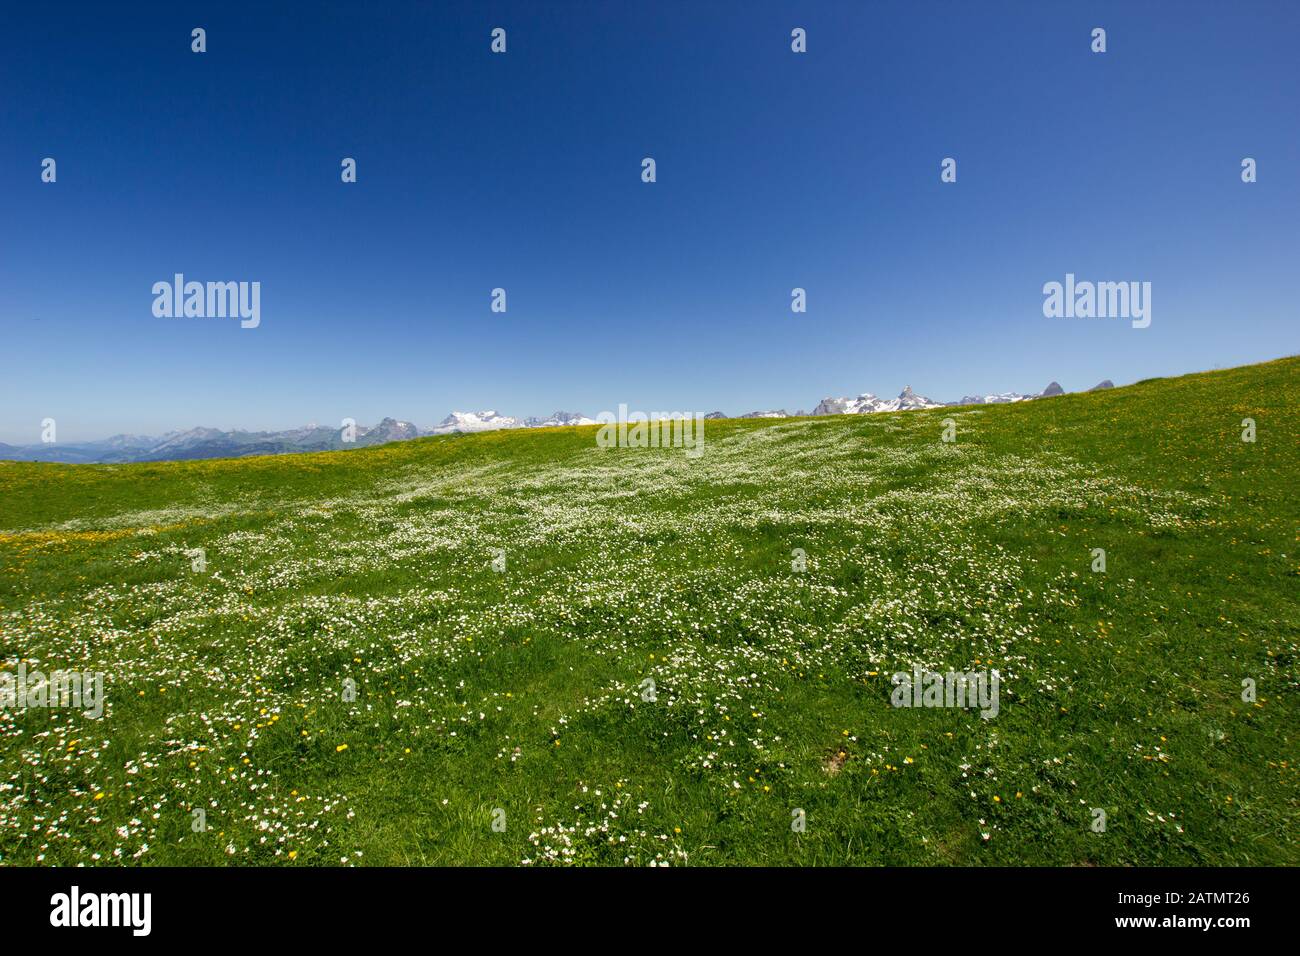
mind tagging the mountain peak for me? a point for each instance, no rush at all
(558, 419)
(486, 420)
(867, 403)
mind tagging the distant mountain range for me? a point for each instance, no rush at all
(868, 403)
(214, 443)
(490, 420)
(210, 443)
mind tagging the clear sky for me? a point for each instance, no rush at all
(523, 171)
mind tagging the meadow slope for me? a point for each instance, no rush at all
(515, 696)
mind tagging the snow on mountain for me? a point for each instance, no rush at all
(867, 404)
(491, 420)
(557, 419)
(483, 421)
(1001, 398)
(908, 399)
(864, 403)
(390, 429)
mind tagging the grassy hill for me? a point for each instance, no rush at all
(518, 695)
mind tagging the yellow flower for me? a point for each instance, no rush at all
(293, 854)
(340, 748)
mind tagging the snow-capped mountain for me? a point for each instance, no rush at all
(867, 403)
(1001, 398)
(491, 420)
(390, 429)
(475, 422)
(557, 419)
(1053, 388)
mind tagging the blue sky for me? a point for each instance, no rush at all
(522, 170)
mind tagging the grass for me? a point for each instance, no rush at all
(522, 690)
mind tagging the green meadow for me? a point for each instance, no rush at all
(519, 648)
